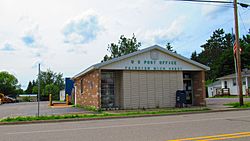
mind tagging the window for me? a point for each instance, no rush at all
(81, 86)
(91, 84)
(186, 75)
(244, 82)
(225, 84)
(234, 82)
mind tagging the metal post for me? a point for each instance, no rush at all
(238, 59)
(38, 96)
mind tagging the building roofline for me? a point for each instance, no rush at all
(99, 65)
(232, 76)
(214, 83)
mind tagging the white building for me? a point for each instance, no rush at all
(214, 89)
(229, 82)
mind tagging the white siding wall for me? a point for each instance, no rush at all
(166, 90)
(143, 92)
(233, 89)
(150, 89)
(135, 97)
(126, 87)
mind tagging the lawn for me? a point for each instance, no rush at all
(106, 114)
(229, 96)
(237, 105)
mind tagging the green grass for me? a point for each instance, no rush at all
(237, 105)
(229, 96)
(59, 101)
(88, 108)
(105, 114)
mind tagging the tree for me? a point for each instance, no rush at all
(52, 89)
(29, 88)
(9, 84)
(245, 45)
(194, 56)
(218, 54)
(123, 47)
(53, 81)
(35, 90)
(170, 48)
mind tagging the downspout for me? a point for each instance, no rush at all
(75, 94)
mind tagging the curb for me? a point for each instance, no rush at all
(118, 117)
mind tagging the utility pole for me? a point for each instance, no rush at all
(237, 43)
(238, 58)
(39, 91)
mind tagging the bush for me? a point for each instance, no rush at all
(26, 99)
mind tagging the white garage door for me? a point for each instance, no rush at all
(150, 89)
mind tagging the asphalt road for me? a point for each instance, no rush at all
(161, 128)
(30, 109)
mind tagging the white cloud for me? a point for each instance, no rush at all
(166, 34)
(31, 37)
(82, 29)
(215, 10)
(7, 47)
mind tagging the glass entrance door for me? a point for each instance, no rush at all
(107, 90)
(187, 86)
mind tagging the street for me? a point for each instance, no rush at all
(30, 109)
(161, 128)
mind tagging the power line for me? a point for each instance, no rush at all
(207, 1)
(242, 22)
(228, 6)
(213, 1)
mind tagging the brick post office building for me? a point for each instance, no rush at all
(147, 78)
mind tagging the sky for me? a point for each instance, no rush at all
(68, 36)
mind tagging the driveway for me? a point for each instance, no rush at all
(30, 109)
(218, 103)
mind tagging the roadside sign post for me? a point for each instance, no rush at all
(38, 96)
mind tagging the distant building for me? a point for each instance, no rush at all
(229, 83)
(69, 86)
(214, 89)
(148, 78)
(27, 97)
(62, 95)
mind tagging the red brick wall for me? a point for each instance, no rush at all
(91, 89)
(199, 88)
